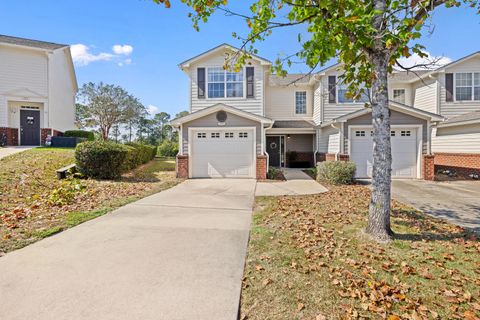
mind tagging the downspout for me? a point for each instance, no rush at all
(265, 141)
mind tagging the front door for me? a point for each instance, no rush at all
(30, 127)
(275, 151)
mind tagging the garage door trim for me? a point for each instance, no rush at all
(191, 131)
(419, 132)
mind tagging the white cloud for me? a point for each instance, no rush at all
(416, 60)
(81, 55)
(152, 110)
(125, 49)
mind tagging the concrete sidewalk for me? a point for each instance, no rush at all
(298, 183)
(178, 254)
(6, 151)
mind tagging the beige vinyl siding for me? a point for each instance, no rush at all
(253, 105)
(329, 140)
(426, 95)
(453, 109)
(458, 139)
(210, 121)
(408, 91)
(62, 92)
(280, 102)
(21, 69)
(300, 143)
(317, 103)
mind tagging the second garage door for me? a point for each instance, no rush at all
(222, 153)
(404, 152)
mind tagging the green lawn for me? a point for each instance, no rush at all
(308, 259)
(34, 204)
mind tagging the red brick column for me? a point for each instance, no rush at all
(343, 157)
(330, 157)
(182, 166)
(12, 135)
(44, 132)
(261, 167)
(428, 167)
(333, 157)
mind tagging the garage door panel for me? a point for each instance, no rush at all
(223, 153)
(404, 152)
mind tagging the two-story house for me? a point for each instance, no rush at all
(242, 122)
(37, 90)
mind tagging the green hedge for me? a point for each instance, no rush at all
(336, 172)
(109, 160)
(168, 149)
(101, 159)
(80, 134)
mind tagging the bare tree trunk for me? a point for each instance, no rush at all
(379, 210)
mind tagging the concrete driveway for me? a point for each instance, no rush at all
(178, 254)
(6, 151)
(455, 201)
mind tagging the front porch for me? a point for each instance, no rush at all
(291, 144)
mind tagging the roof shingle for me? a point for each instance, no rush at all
(30, 43)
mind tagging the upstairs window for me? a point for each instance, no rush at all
(399, 95)
(344, 97)
(467, 86)
(223, 83)
(301, 102)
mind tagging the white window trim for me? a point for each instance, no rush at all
(404, 95)
(244, 94)
(473, 88)
(295, 103)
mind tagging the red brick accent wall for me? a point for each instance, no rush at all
(428, 167)
(463, 163)
(332, 157)
(12, 135)
(321, 157)
(261, 167)
(57, 133)
(302, 157)
(182, 166)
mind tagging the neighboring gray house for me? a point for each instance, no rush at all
(243, 122)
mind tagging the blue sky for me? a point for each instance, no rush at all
(154, 40)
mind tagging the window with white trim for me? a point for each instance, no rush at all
(243, 135)
(228, 135)
(467, 86)
(405, 133)
(360, 133)
(201, 135)
(215, 135)
(344, 97)
(301, 102)
(399, 95)
(223, 83)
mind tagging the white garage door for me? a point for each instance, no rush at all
(404, 152)
(222, 153)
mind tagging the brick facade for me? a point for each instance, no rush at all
(44, 132)
(11, 134)
(261, 167)
(428, 167)
(302, 157)
(182, 166)
(333, 157)
(464, 164)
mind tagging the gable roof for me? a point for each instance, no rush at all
(23, 42)
(293, 124)
(223, 46)
(219, 107)
(403, 108)
(467, 118)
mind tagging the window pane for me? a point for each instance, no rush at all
(235, 76)
(463, 79)
(463, 93)
(216, 75)
(234, 90)
(476, 79)
(342, 98)
(399, 95)
(476, 93)
(216, 90)
(301, 102)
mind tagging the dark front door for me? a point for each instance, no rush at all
(30, 127)
(274, 150)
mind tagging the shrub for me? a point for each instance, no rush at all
(102, 159)
(275, 174)
(336, 172)
(141, 154)
(89, 135)
(168, 149)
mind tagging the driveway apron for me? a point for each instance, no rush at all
(178, 254)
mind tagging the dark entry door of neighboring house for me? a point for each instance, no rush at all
(274, 150)
(30, 127)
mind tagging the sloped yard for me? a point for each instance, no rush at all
(308, 259)
(34, 204)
